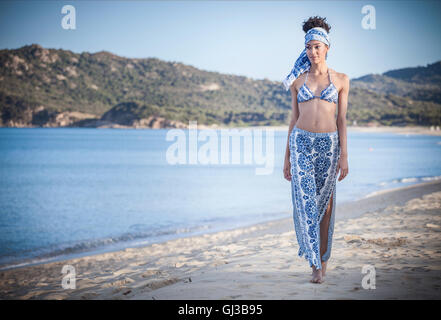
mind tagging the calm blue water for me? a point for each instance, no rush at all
(65, 192)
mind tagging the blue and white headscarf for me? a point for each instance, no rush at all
(302, 63)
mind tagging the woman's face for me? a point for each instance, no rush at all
(316, 51)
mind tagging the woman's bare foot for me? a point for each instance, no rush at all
(316, 276)
(324, 263)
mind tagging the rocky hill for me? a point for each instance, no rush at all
(56, 88)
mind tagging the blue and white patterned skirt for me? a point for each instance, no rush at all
(314, 157)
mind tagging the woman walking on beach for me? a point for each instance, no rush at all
(316, 147)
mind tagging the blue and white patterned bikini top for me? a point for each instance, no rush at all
(329, 94)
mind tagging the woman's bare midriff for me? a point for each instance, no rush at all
(317, 115)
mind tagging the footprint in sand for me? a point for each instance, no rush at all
(156, 284)
(150, 273)
(118, 283)
(89, 295)
(355, 289)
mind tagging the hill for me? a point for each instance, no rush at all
(55, 87)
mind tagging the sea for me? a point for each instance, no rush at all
(70, 192)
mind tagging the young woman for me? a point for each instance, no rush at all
(316, 148)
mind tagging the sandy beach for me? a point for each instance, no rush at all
(398, 232)
(435, 131)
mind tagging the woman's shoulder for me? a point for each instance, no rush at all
(298, 82)
(339, 75)
(339, 78)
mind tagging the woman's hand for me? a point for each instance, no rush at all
(287, 169)
(342, 165)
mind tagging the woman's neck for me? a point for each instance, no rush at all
(319, 68)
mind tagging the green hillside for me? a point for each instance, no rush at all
(54, 87)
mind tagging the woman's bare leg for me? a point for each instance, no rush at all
(324, 226)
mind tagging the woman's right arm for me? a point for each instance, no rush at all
(294, 117)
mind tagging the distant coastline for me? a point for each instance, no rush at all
(371, 129)
(406, 130)
(47, 87)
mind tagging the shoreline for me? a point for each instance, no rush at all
(164, 270)
(373, 129)
(345, 210)
(406, 130)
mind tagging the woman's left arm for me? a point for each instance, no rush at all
(341, 125)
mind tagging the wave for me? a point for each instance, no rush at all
(53, 253)
(409, 180)
(139, 235)
(401, 181)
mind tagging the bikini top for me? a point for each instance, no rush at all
(329, 94)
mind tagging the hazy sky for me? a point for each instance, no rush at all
(258, 39)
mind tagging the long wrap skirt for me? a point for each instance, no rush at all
(313, 157)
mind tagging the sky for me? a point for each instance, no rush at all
(256, 39)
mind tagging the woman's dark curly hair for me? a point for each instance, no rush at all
(316, 22)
